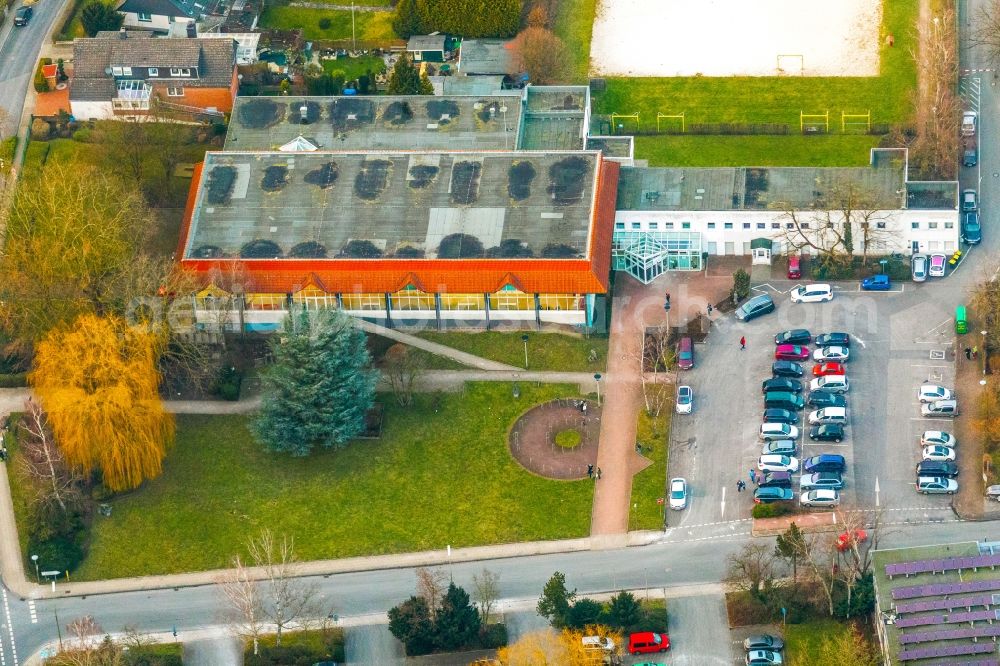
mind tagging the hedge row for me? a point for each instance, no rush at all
(462, 18)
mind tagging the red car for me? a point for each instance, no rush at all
(794, 268)
(847, 540)
(829, 368)
(791, 353)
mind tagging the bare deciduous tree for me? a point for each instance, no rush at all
(938, 108)
(819, 556)
(986, 32)
(403, 366)
(245, 610)
(752, 569)
(486, 591)
(431, 585)
(541, 54)
(286, 598)
(54, 486)
(656, 358)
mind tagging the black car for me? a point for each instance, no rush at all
(769, 494)
(824, 462)
(764, 642)
(781, 384)
(820, 399)
(935, 468)
(23, 15)
(787, 369)
(828, 432)
(970, 156)
(796, 336)
(833, 340)
(775, 415)
(767, 479)
(755, 307)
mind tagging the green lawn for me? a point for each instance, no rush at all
(802, 641)
(370, 28)
(738, 99)
(650, 484)
(378, 345)
(718, 151)
(434, 478)
(574, 24)
(546, 351)
(355, 67)
(73, 27)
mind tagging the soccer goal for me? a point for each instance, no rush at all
(618, 125)
(814, 123)
(791, 64)
(855, 123)
(669, 121)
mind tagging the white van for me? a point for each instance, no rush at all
(830, 384)
(836, 415)
(773, 431)
(602, 643)
(812, 293)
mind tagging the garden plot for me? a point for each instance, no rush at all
(735, 37)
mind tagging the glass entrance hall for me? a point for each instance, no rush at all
(647, 254)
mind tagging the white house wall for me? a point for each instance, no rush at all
(158, 22)
(92, 110)
(730, 232)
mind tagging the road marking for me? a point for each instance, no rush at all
(32, 612)
(10, 628)
(929, 419)
(876, 491)
(860, 342)
(723, 508)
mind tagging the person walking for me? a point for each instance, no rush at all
(590, 471)
(598, 473)
(968, 353)
(709, 309)
(743, 342)
(753, 476)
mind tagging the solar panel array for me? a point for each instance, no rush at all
(947, 651)
(946, 604)
(982, 631)
(941, 589)
(942, 565)
(952, 618)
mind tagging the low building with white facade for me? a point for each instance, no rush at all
(676, 218)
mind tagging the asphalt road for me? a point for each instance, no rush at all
(19, 56)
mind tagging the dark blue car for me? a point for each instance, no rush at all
(876, 283)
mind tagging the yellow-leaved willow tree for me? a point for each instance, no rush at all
(97, 380)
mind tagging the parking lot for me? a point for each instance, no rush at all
(899, 340)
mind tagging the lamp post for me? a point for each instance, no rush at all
(524, 339)
(984, 351)
(38, 575)
(597, 378)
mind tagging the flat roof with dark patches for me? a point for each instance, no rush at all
(756, 188)
(394, 205)
(385, 122)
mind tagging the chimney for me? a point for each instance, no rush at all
(192, 30)
(121, 33)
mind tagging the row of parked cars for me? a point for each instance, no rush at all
(764, 650)
(821, 475)
(937, 468)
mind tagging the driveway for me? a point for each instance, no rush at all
(893, 335)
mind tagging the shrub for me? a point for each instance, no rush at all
(40, 82)
(61, 553)
(325, 23)
(40, 129)
(98, 16)
(741, 285)
(771, 510)
(14, 380)
(568, 438)
(227, 385)
(493, 636)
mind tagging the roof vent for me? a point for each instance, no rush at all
(121, 33)
(304, 114)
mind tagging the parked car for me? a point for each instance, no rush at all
(969, 121)
(796, 336)
(776, 415)
(775, 463)
(932, 393)
(834, 480)
(830, 384)
(812, 293)
(763, 658)
(939, 437)
(824, 462)
(936, 485)
(685, 353)
(770, 494)
(822, 399)
(755, 307)
(763, 642)
(794, 267)
(779, 447)
(828, 432)
(936, 468)
(602, 643)
(23, 15)
(972, 231)
(765, 479)
(941, 408)
(644, 642)
(829, 368)
(784, 400)
(678, 493)
(820, 497)
(784, 384)
(833, 340)
(938, 453)
(970, 200)
(878, 282)
(970, 156)
(786, 369)
(828, 416)
(838, 354)
(918, 267)
(772, 431)
(685, 400)
(791, 353)
(937, 265)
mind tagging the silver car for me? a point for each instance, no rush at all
(918, 265)
(820, 497)
(685, 399)
(936, 485)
